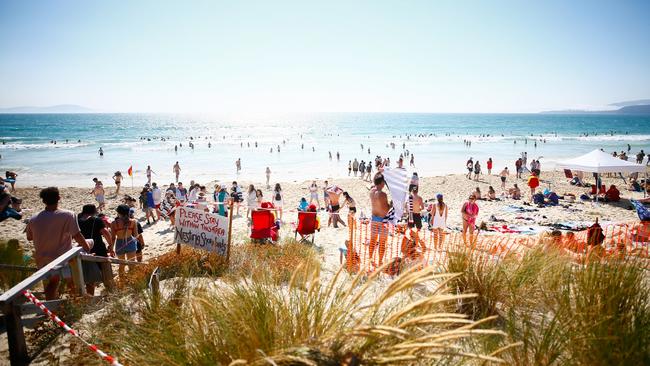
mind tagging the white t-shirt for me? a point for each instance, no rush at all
(157, 196)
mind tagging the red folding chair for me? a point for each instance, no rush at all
(602, 190)
(307, 226)
(262, 226)
(568, 175)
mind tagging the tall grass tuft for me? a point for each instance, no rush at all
(11, 253)
(305, 322)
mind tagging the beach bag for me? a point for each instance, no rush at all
(595, 235)
(538, 199)
(553, 198)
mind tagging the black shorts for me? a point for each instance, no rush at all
(417, 221)
(352, 209)
(335, 208)
(503, 179)
(139, 247)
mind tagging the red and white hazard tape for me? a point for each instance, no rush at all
(59, 322)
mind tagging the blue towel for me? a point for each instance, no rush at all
(641, 210)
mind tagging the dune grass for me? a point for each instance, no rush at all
(271, 305)
(11, 253)
(257, 319)
(560, 313)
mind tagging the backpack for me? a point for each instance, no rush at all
(278, 196)
(595, 235)
(538, 199)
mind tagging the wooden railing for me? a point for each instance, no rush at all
(13, 307)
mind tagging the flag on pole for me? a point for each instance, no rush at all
(130, 171)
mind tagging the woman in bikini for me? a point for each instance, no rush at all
(117, 177)
(124, 233)
(351, 203)
(439, 221)
(313, 193)
(469, 211)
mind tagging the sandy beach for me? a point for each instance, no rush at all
(455, 188)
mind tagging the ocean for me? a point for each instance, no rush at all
(305, 140)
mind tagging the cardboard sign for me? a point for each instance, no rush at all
(202, 230)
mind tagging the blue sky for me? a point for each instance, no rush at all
(366, 56)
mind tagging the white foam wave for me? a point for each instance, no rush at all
(23, 146)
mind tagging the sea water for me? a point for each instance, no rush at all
(436, 140)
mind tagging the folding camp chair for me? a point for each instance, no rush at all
(568, 175)
(262, 226)
(307, 226)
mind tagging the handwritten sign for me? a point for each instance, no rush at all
(202, 230)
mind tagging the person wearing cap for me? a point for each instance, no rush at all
(124, 232)
(140, 237)
(52, 231)
(439, 221)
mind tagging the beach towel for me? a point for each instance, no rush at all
(397, 181)
(641, 210)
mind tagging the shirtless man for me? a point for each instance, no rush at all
(504, 175)
(334, 194)
(415, 212)
(177, 170)
(380, 207)
(98, 192)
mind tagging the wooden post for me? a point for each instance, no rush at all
(229, 231)
(107, 276)
(15, 336)
(78, 275)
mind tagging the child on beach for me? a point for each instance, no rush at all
(98, 192)
(277, 200)
(533, 183)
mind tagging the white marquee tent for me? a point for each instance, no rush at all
(600, 162)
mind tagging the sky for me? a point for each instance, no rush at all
(325, 56)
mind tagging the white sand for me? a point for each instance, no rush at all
(159, 238)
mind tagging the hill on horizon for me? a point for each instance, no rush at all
(60, 108)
